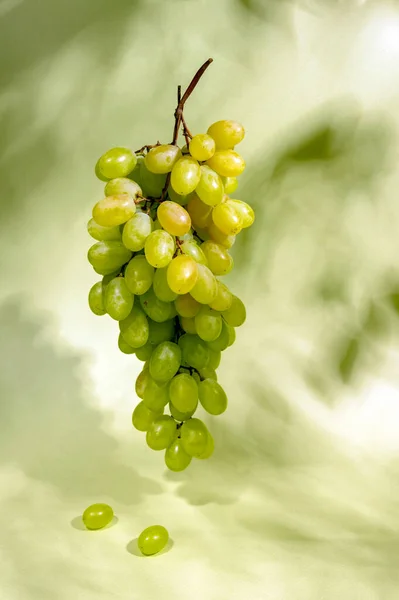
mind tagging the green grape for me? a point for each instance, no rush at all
(161, 332)
(212, 397)
(220, 262)
(178, 198)
(230, 184)
(156, 309)
(202, 147)
(118, 299)
(153, 539)
(232, 334)
(196, 377)
(246, 212)
(194, 437)
(188, 324)
(106, 257)
(223, 299)
(139, 275)
(205, 289)
(162, 159)
(222, 341)
(152, 184)
(226, 134)
(174, 218)
(200, 213)
(114, 210)
(214, 358)
(236, 314)
(136, 231)
(208, 324)
(194, 351)
(134, 328)
(227, 241)
(183, 393)
(176, 458)
(185, 175)
(227, 218)
(98, 174)
(208, 373)
(96, 303)
(186, 306)
(165, 361)
(103, 234)
(144, 352)
(191, 248)
(124, 346)
(143, 417)
(97, 516)
(210, 446)
(135, 175)
(161, 287)
(142, 381)
(182, 274)
(210, 188)
(180, 416)
(159, 248)
(227, 163)
(117, 162)
(156, 395)
(123, 185)
(161, 432)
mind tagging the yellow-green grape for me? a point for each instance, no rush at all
(124, 346)
(191, 248)
(202, 147)
(155, 395)
(151, 183)
(210, 188)
(205, 289)
(223, 299)
(227, 218)
(186, 306)
(180, 416)
(135, 175)
(194, 437)
(200, 213)
(246, 212)
(212, 397)
(208, 324)
(161, 159)
(159, 248)
(185, 175)
(183, 393)
(194, 351)
(208, 373)
(139, 275)
(117, 162)
(178, 198)
(141, 382)
(176, 458)
(161, 432)
(220, 262)
(96, 302)
(97, 516)
(107, 257)
(214, 358)
(134, 328)
(174, 218)
(161, 332)
(123, 185)
(182, 274)
(218, 236)
(188, 324)
(103, 234)
(153, 539)
(114, 210)
(144, 352)
(118, 299)
(210, 446)
(161, 286)
(236, 314)
(226, 134)
(227, 163)
(143, 417)
(98, 174)
(222, 341)
(156, 309)
(165, 362)
(136, 231)
(230, 184)
(232, 334)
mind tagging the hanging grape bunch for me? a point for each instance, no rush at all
(163, 231)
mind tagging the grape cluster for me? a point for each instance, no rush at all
(163, 231)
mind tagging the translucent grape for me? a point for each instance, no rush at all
(208, 373)
(226, 134)
(223, 299)
(136, 231)
(142, 381)
(188, 324)
(161, 332)
(178, 198)
(218, 236)
(220, 262)
(191, 248)
(212, 397)
(222, 341)
(161, 159)
(205, 288)
(185, 175)
(139, 275)
(161, 287)
(210, 188)
(232, 334)
(159, 248)
(156, 309)
(210, 446)
(143, 417)
(182, 274)
(124, 346)
(186, 306)
(176, 458)
(230, 184)
(118, 299)
(194, 351)
(96, 302)
(153, 539)
(123, 185)
(227, 163)
(151, 183)
(97, 516)
(106, 257)
(102, 234)
(208, 324)
(194, 437)
(236, 314)
(155, 395)
(98, 174)
(114, 210)
(117, 162)
(202, 147)
(227, 218)
(200, 213)
(174, 218)
(161, 432)
(144, 352)
(134, 328)
(246, 212)
(165, 362)
(178, 415)
(183, 393)
(214, 358)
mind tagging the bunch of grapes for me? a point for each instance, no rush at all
(163, 231)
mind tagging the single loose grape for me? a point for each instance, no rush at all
(215, 234)
(205, 288)
(222, 341)
(208, 324)
(182, 274)
(191, 248)
(212, 397)
(220, 262)
(195, 351)
(144, 352)
(123, 185)
(153, 539)
(194, 437)
(226, 134)
(161, 332)
(236, 314)
(183, 393)
(214, 358)
(161, 432)
(185, 175)
(161, 286)
(106, 257)
(246, 212)
(165, 362)
(156, 309)
(188, 325)
(143, 417)
(200, 213)
(139, 275)
(223, 299)
(210, 188)
(102, 234)
(136, 231)
(230, 184)
(210, 446)
(186, 306)
(178, 198)
(141, 382)
(202, 147)
(124, 346)
(161, 159)
(114, 210)
(152, 184)
(134, 328)
(226, 163)
(180, 416)
(159, 248)
(96, 302)
(176, 458)
(118, 299)
(174, 218)
(97, 516)
(117, 162)
(155, 395)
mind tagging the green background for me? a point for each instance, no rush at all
(300, 501)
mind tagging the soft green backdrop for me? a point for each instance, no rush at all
(300, 501)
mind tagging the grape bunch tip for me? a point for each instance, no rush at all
(163, 233)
